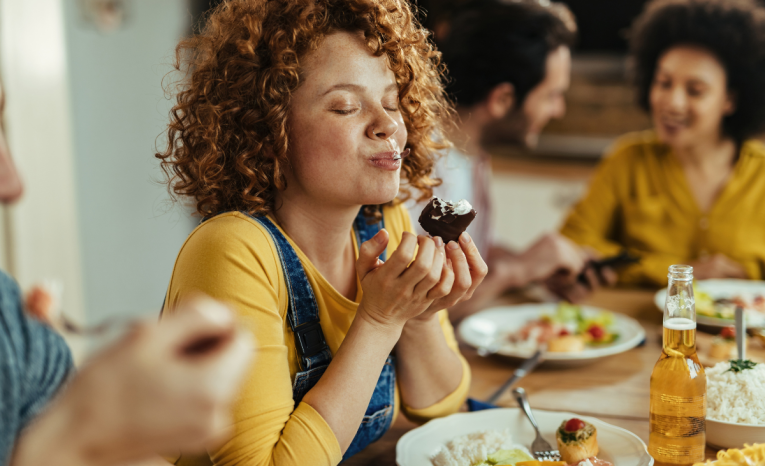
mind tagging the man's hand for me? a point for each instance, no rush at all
(552, 254)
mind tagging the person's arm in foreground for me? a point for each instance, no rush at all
(161, 388)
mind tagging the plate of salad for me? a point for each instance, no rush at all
(716, 301)
(566, 331)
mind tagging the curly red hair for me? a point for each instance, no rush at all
(228, 134)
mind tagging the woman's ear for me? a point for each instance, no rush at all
(501, 100)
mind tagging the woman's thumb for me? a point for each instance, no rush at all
(369, 253)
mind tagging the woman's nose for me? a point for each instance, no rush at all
(382, 126)
(677, 98)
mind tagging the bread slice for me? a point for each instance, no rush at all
(566, 344)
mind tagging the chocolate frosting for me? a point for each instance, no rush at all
(439, 219)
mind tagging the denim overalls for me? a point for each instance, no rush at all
(313, 352)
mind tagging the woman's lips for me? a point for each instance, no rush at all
(671, 127)
(386, 161)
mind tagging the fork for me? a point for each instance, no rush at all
(540, 448)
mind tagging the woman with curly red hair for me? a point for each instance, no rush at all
(288, 133)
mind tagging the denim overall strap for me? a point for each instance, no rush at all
(364, 231)
(303, 312)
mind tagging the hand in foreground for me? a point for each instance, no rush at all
(164, 387)
(405, 285)
(717, 266)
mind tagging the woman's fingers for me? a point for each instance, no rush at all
(444, 286)
(462, 278)
(609, 276)
(426, 285)
(398, 262)
(591, 278)
(476, 264)
(423, 263)
(369, 253)
(733, 269)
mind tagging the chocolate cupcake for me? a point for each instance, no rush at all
(446, 219)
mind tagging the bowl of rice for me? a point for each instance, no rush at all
(735, 405)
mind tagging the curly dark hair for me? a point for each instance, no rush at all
(228, 139)
(732, 30)
(489, 42)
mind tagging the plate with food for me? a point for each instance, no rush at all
(716, 301)
(570, 333)
(503, 436)
(735, 403)
(747, 456)
(713, 349)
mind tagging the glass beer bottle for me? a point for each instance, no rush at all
(678, 383)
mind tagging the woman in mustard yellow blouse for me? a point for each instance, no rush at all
(296, 124)
(692, 190)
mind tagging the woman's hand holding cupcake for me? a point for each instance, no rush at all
(420, 278)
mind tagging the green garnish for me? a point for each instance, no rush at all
(738, 365)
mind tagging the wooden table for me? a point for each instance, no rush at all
(614, 389)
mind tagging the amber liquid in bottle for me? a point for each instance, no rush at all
(678, 383)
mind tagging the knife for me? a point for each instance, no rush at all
(519, 373)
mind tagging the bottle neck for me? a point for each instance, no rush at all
(681, 303)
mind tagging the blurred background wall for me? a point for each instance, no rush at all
(85, 107)
(129, 233)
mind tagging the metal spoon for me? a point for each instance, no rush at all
(741, 333)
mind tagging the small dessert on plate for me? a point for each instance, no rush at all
(566, 343)
(446, 219)
(724, 345)
(577, 440)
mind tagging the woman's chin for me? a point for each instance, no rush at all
(380, 195)
(672, 138)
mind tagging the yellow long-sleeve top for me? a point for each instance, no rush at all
(232, 258)
(639, 200)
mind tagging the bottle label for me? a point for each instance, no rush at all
(678, 454)
(677, 428)
(679, 406)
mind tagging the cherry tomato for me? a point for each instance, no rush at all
(596, 331)
(728, 332)
(564, 332)
(574, 424)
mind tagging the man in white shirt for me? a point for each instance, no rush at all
(507, 61)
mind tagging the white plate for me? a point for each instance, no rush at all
(483, 328)
(723, 288)
(620, 447)
(729, 435)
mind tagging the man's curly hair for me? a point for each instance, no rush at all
(732, 30)
(228, 141)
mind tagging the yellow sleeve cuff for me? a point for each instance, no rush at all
(449, 405)
(322, 442)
